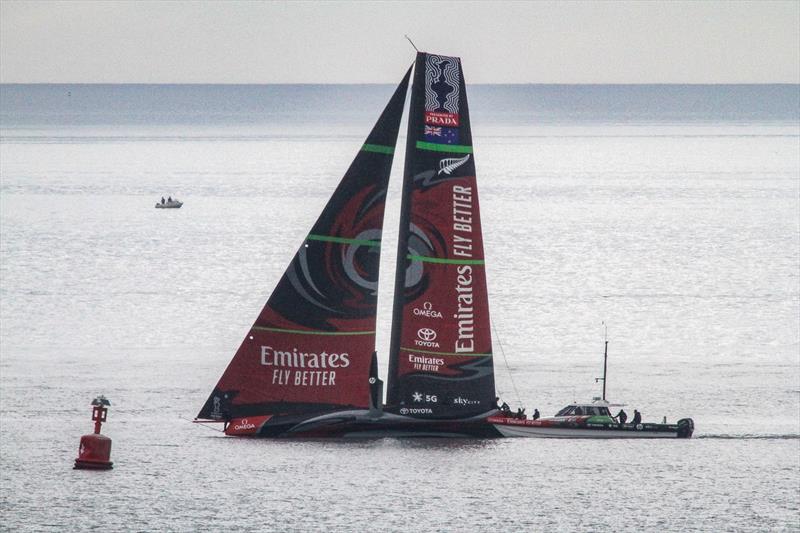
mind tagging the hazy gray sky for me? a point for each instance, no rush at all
(356, 42)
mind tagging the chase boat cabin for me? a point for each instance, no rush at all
(597, 408)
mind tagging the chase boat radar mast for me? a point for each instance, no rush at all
(605, 362)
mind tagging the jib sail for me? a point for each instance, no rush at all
(310, 349)
(441, 347)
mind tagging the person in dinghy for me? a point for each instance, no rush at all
(169, 203)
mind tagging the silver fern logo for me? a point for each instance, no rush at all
(449, 164)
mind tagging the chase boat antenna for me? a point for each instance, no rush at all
(605, 362)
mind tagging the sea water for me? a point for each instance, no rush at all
(669, 213)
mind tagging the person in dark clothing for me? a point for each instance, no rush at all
(637, 417)
(521, 413)
(506, 409)
(162, 200)
(622, 417)
(496, 402)
(535, 414)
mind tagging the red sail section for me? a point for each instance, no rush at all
(311, 347)
(441, 354)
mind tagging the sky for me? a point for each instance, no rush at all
(363, 41)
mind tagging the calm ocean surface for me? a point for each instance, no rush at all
(672, 213)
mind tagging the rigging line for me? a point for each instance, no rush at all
(412, 43)
(508, 367)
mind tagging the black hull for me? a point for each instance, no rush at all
(451, 429)
(364, 424)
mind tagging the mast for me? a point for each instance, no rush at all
(402, 263)
(605, 366)
(605, 362)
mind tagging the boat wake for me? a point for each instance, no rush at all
(750, 436)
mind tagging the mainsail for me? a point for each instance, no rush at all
(311, 348)
(441, 348)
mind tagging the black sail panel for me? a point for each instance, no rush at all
(441, 348)
(311, 348)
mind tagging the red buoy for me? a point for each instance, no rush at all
(95, 449)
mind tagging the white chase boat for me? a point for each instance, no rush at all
(589, 420)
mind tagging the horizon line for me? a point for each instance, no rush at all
(392, 83)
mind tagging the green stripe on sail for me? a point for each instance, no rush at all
(378, 148)
(451, 148)
(444, 260)
(447, 353)
(343, 240)
(315, 332)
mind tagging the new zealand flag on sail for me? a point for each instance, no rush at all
(441, 135)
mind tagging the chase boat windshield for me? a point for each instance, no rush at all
(597, 408)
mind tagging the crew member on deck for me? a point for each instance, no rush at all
(506, 409)
(535, 414)
(496, 400)
(622, 417)
(521, 413)
(162, 200)
(637, 417)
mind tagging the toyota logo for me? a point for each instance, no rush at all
(426, 334)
